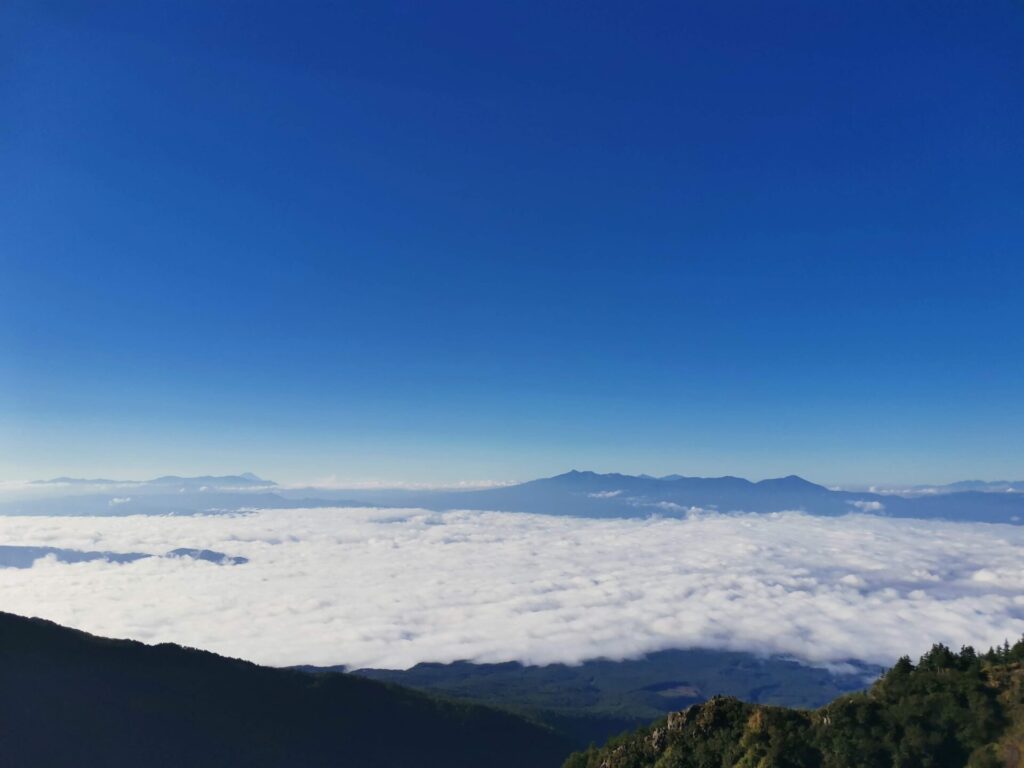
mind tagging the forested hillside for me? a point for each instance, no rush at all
(601, 698)
(949, 711)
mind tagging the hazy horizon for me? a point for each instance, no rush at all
(341, 482)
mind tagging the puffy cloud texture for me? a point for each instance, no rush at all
(372, 587)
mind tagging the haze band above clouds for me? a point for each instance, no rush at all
(388, 588)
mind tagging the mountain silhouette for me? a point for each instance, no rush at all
(68, 698)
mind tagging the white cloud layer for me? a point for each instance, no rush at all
(389, 588)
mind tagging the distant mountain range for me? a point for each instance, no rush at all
(986, 486)
(166, 495)
(575, 493)
(245, 479)
(71, 699)
(588, 494)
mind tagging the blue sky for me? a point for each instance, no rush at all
(437, 242)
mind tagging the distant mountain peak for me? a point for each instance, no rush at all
(574, 474)
(789, 481)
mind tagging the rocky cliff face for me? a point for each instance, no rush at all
(951, 710)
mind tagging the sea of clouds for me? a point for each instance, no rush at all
(390, 588)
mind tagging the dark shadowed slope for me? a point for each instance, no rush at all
(72, 699)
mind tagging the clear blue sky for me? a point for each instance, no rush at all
(434, 241)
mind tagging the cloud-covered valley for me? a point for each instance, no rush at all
(390, 588)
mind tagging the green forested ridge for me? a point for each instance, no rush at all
(597, 699)
(951, 710)
(68, 698)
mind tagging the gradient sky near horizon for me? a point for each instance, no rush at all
(464, 241)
